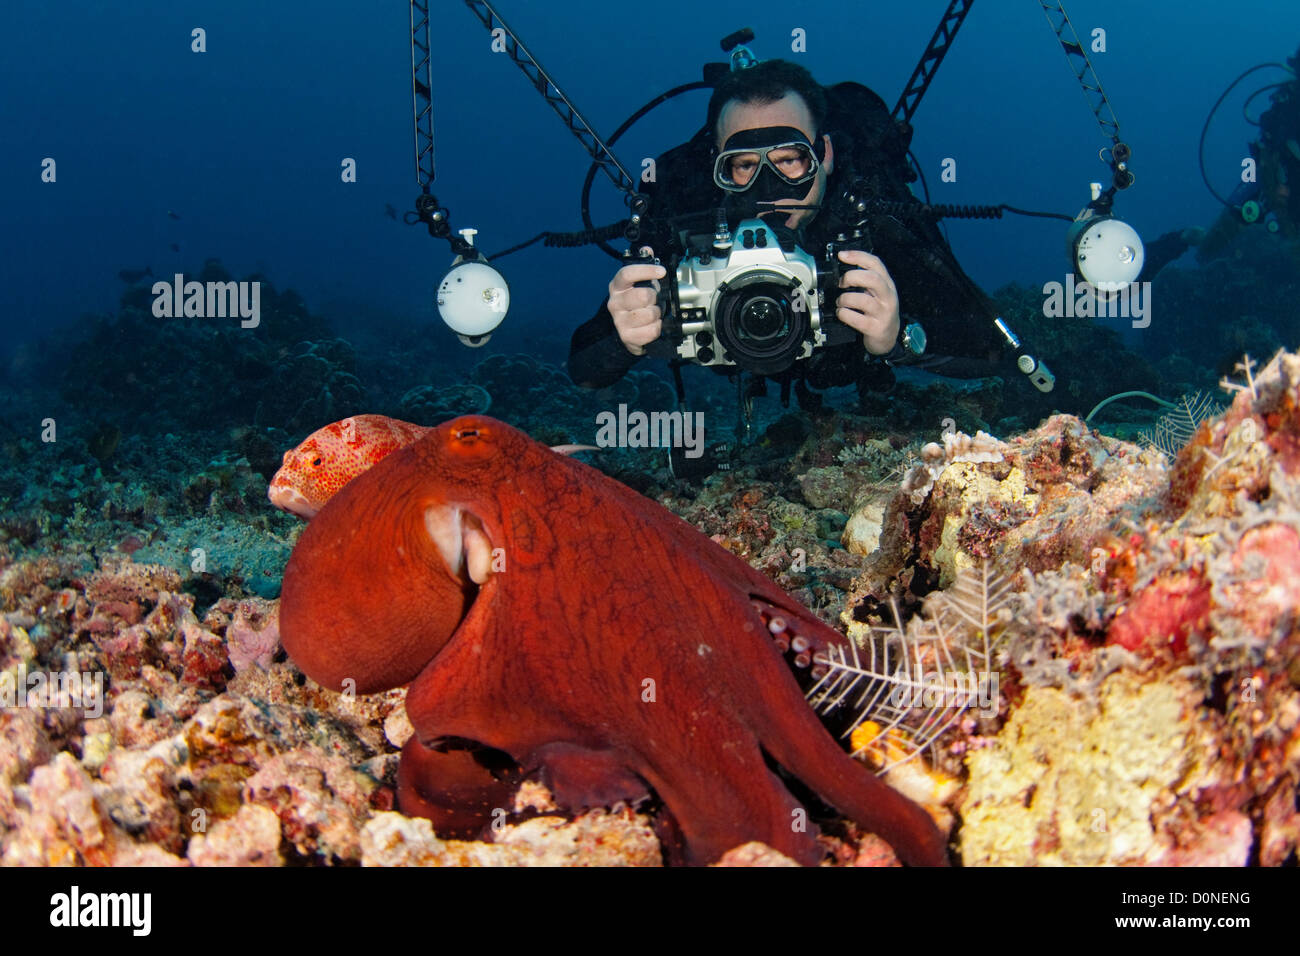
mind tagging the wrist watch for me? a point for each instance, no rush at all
(911, 342)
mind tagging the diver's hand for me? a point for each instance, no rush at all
(636, 317)
(874, 310)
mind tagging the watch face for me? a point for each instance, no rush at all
(914, 338)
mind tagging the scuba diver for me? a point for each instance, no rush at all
(775, 138)
(1268, 197)
(1272, 197)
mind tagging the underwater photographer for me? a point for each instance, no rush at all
(805, 162)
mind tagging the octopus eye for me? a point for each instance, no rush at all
(472, 439)
(317, 463)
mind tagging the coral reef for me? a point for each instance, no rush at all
(1149, 665)
(184, 755)
(1148, 669)
(152, 377)
(596, 838)
(430, 405)
(1082, 781)
(313, 384)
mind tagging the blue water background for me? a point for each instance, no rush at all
(244, 142)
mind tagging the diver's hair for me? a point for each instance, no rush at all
(767, 82)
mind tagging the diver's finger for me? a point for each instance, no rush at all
(863, 279)
(861, 302)
(643, 334)
(627, 277)
(629, 299)
(869, 324)
(863, 260)
(636, 318)
(853, 319)
(871, 278)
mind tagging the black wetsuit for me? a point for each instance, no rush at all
(1280, 151)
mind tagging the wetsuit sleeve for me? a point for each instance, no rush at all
(932, 289)
(1160, 252)
(597, 356)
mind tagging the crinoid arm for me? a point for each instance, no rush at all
(1174, 430)
(909, 684)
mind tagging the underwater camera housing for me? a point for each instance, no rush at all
(751, 298)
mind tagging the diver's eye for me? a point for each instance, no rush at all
(792, 165)
(317, 463)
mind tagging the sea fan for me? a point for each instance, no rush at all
(914, 682)
(1175, 429)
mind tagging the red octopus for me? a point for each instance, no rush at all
(553, 622)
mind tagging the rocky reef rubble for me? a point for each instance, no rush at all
(1146, 649)
(199, 744)
(1150, 663)
(195, 744)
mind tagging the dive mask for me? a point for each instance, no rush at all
(776, 157)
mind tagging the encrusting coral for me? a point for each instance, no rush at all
(1151, 664)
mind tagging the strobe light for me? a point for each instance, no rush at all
(473, 299)
(1106, 252)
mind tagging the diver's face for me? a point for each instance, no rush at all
(789, 110)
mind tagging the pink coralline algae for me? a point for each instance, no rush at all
(253, 635)
(1161, 618)
(64, 823)
(320, 800)
(754, 854)
(250, 838)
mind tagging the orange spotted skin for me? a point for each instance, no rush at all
(330, 457)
